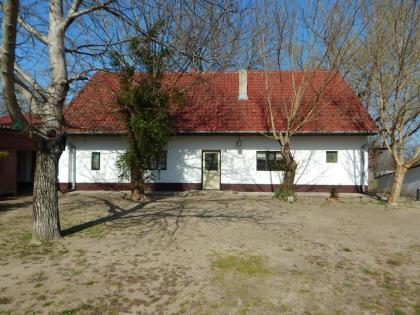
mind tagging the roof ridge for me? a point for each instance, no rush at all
(225, 72)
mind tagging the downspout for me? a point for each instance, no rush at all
(72, 166)
(363, 163)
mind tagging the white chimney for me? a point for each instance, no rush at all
(243, 85)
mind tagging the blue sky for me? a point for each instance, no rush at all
(33, 56)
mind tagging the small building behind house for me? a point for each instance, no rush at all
(17, 163)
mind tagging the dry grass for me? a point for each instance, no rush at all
(213, 253)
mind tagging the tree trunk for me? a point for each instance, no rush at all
(137, 185)
(397, 182)
(288, 186)
(46, 220)
(289, 178)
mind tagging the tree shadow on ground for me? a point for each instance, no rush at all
(11, 204)
(161, 213)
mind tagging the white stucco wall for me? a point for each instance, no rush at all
(410, 185)
(238, 164)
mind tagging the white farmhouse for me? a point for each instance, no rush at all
(220, 139)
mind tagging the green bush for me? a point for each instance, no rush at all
(334, 193)
(281, 194)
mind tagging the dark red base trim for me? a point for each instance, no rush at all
(64, 187)
(198, 186)
(126, 186)
(299, 188)
(173, 186)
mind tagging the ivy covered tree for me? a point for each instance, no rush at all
(145, 102)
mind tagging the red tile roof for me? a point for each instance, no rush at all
(5, 120)
(211, 103)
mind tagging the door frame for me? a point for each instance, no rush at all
(202, 168)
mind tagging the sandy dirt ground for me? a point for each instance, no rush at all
(213, 253)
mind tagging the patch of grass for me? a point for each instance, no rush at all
(245, 264)
(283, 308)
(303, 291)
(37, 277)
(18, 244)
(388, 286)
(75, 272)
(111, 308)
(382, 202)
(5, 300)
(97, 231)
(397, 259)
(88, 283)
(393, 262)
(77, 310)
(5, 312)
(369, 272)
(374, 307)
(26, 237)
(62, 252)
(48, 304)
(80, 252)
(38, 285)
(397, 311)
(416, 309)
(41, 297)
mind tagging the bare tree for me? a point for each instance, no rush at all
(301, 40)
(44, 55)
(53, 41)
(384, 69)
(204, 35)
(157, 37)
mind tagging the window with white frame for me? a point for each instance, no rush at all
(270, 161)
(159, 162)
(332, 157)
(96, 161)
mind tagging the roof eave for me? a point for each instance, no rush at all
(256, 132)
(96, 132)
(226, 133)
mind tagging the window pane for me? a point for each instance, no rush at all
(261, 161)
(159, 163)
(279, 163)
(269, 161)
(162, 160)
(332, 156)
(96, 161)
(211, 162)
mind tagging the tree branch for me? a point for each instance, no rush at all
(25, 77)
(74, 13)
(10, 17)
(31, 30)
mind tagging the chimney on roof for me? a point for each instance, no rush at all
(243, 85)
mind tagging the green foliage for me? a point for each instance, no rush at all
(5, 300)
(245, 264)
(334, 193)
(19, 125)
(397, 311)
(145, 102)
(283, 194)
(4, 154)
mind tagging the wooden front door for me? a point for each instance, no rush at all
(211, 169)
